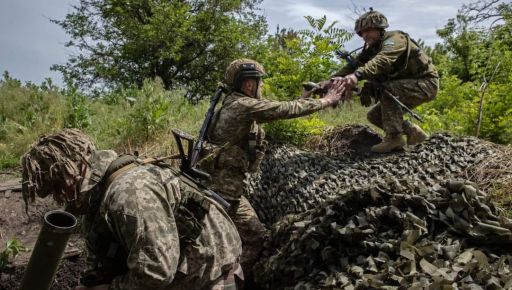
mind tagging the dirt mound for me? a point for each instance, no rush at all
(387, 221)
(353, 140)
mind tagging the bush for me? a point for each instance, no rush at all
(295, 131)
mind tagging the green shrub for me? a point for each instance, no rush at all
(12, 249)
(295, 131)
(79, 115)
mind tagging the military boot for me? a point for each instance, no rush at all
(415, 135)
(390, 143)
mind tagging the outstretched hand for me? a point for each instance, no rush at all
(335, 93)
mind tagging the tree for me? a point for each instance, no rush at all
(183, 42)
(475, 62)
(292, 57)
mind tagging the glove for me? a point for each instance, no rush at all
(366, 95)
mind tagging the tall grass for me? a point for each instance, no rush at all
(126, 121)
(134, 119)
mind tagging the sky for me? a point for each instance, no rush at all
(30, 43)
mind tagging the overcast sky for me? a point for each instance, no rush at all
(30, 43)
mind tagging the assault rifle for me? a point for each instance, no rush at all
(347, 56)
(396, 100)
(189, 160)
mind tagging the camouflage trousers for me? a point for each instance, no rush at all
(231, 280)
(251, 231)
(388, 115)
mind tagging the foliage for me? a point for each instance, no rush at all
(292, 57)
(26, 112)
(12, 249)
(79, 115)
(29, 111)
(184, 43)
(295, 131)
(467, 59)
(150, 111)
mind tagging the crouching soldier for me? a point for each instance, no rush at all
(392, 63)
(145, 226)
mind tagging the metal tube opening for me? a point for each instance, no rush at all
(61, 220)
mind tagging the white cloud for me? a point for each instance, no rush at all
(419, 18)
(30, 43)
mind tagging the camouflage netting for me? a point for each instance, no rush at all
(396, 221)
(392, 235)
(293, 181)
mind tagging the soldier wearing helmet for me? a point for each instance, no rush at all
(236, 143)
(391, 61)
(137, 231)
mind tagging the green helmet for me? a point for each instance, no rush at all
(240, 69)
(371, 19)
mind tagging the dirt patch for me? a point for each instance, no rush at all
(352, 140)
(66, 279)
(15, 223)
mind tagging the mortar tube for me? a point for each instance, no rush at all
(58, 225)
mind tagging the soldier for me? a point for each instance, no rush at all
(236, 143)
(145, 227)
(391, 61)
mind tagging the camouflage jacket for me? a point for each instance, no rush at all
(395, 56)
(236, 139)
(132, 237)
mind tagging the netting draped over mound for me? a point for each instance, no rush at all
(293, 181)
(392, 221)
(392, 236)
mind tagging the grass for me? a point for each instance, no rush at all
(346, 113)
(12, 248)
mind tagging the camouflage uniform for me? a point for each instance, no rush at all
(404, 69)
(236, 146)
(138, 232)
(137, 216)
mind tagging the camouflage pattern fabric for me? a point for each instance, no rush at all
(229, 157)
(55, 157)
(395, 56)
(250, 228)
(137, 210)
(388, 115)
(401, 67)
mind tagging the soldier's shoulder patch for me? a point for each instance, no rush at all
(388, 42)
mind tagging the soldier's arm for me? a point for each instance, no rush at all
(347, 68)
(382, 63)
(147, 229)
(261, 110)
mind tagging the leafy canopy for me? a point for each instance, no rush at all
(183, 42)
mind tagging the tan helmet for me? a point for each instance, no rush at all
(240, 69)
(53, 165)
(371, 19)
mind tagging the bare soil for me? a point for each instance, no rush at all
(16, 223)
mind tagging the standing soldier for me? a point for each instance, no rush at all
(145, 228)
(391, 62)
(236, 143)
